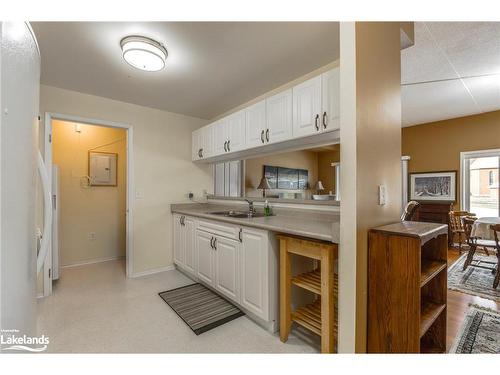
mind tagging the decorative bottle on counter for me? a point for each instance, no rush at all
(267, 209)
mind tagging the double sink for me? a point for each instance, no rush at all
(238, 214)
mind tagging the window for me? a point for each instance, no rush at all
(479, 182)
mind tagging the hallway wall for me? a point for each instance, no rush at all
(95, 209)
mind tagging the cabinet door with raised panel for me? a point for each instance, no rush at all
(307, 107)
(207, 141)
(189, 245)
(279, 117)
(196, 144)
(205, 257)
(256, 124)
(220, 137)
(178, 240)
(227, 267)
(330, 101)
(236, 131)
(254, 263)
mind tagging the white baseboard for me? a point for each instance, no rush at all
(100, 260)
(153, 271)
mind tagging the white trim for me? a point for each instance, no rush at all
(464, 173)
(49, 116)
(93, 261)
(153, 271)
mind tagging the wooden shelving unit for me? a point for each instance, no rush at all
(407, 285)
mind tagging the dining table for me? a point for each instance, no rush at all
(481, 228)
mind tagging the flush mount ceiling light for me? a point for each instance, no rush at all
(144, 53)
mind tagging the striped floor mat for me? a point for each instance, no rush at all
(200, 308)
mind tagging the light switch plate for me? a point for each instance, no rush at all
(382, 195)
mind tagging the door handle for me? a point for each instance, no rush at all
(316, 122)
(225, 146)
(324, 119)
(240, 235)
(201, 152)
(215, 243)
(212, 242)
(228, 145)
(262, 136)
(267, 135)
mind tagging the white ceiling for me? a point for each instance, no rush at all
(211, 68)
(452, 70)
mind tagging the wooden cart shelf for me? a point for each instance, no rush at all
(429, 312)
(310, 281)
(431, 268)
(320, 317)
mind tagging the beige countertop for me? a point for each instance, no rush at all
(320, 225)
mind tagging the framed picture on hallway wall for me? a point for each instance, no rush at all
(433, 186)
(102, 168)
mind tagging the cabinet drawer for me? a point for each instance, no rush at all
(220, 229)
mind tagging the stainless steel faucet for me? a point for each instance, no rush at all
(251, 209)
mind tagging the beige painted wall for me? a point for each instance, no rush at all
(302, 159)
(436, 146)
(370, 129)
(163, 171)
(325, 170)
(98, 209)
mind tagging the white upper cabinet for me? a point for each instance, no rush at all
(256, 124)
(236, 131)
(311, 107)
(220, 132)
(202, 142)
(307, 107)
(279, 117)
(330, 100)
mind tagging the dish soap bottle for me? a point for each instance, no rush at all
(267, 209)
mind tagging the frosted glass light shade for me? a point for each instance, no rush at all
(143, 53)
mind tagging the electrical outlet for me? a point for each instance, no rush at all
(92, 236)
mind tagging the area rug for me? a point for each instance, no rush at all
(480, 332)
(200, 308)
(475, 281)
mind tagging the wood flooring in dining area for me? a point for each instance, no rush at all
(458, 304)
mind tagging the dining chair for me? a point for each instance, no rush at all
(410, 211)
(474, 243)
(496, 232)
(457, 227)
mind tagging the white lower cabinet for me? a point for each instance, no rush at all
(255, 267)
(184, 245)
(227, 272)
(240, 263)
(206, 264)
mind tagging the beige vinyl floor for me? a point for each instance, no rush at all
(96, 309)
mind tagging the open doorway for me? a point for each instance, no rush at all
(89, 165)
